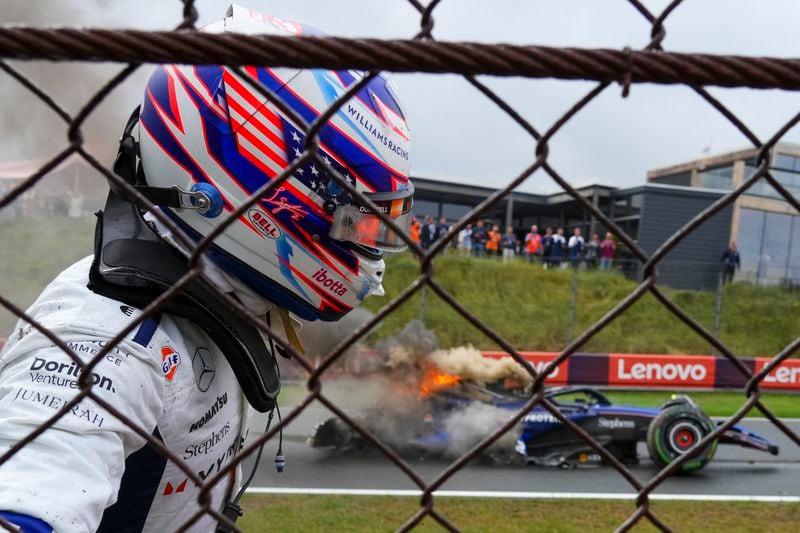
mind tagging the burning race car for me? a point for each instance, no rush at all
(459, 413)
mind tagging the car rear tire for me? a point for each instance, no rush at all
(676, 430)
(333, 433)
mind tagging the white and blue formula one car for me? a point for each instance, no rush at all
(670, 430)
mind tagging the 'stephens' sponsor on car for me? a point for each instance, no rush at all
(615, 423)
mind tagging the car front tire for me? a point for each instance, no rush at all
(676, 430)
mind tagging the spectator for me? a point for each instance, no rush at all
(559, 247)
(465, 240)
(533, 243)
(493, 245)
(547, 247)
(607, 249)
(593, 252)
(413, 230)
(730, 262)
(576, 246)
(429, 232)
(444, 227)
(509, 244)
(479, 239)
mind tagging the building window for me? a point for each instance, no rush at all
(453, 212)
(790, 181)
(717, 178)
(679, 178)
(785, 169)
(775, 250)
(786, 162)
(627, 206)
(631, 229)
(769, 247)
(794, 254)
(751, 230)
(423, 208)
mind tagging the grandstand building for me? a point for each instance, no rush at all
(765, 226)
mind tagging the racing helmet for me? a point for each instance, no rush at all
(305, 245)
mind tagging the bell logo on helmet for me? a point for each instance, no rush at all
(265, 225)
(170, 359)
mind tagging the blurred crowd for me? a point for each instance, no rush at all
(551, 249)
(49, 203)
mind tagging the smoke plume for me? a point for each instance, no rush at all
(468, 363)
(398, 400)
(412, 344)
(468, 426)
(31, 131)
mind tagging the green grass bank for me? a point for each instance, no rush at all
(530, 307)
(34, 250)
(367, 514)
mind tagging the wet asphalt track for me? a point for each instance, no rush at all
(733, 471)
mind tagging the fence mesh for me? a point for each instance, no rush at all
(423, 54)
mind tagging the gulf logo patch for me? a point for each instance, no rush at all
(170, 359)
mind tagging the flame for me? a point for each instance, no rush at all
(435, 380)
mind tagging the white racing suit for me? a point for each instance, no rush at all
(90, 471)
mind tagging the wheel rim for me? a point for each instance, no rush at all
(683, 436)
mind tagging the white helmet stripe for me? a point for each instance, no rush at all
(266, 145)
(267, 164)
(263, 114)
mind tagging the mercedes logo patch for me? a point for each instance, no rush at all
(203, 367)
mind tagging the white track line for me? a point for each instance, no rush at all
(755, 419)
(526, 495)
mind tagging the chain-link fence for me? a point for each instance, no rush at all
(420, 54)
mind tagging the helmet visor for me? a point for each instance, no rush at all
(362, 226)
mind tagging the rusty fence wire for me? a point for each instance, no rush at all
(422, 53)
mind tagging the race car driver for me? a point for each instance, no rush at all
(200, 144)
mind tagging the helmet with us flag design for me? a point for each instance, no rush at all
(305, 245)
